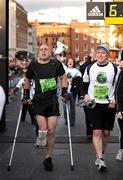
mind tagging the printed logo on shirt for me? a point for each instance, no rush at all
(48, 84)
(101, 92)
(69, 75)
(101, 77)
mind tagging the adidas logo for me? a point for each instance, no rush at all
(95, 12)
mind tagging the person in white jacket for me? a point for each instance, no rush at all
(72, 74)
(2, 100)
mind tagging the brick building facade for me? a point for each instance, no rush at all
(21, 28)
(80, 38)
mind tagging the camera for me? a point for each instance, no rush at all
(89, 104)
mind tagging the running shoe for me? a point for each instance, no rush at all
(37, 142)
(48, 165)
(119, 156)
(97, 162)
(102, 165)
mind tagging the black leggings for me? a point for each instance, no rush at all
(29, 108)
(120, 123)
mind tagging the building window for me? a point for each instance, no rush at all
(85, 58)
(77, 57)
(76, 47)
(92, 37)
(77, 61)
(85, 37)
(85, 47)
(46, 40)
(92, 49)
(76, 36)
(98, 39)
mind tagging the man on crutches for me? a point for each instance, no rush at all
(45, 73)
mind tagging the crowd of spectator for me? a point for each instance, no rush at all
(15, 70)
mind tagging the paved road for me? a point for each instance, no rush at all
(26, 129)
(27, 160)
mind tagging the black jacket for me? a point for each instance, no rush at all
(119, 92)
(84, 89)
(84, 65)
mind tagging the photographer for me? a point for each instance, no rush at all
(99, 84)
(89, 60)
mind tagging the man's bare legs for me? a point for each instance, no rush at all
(97, 142)
(42, 133)
(42, 123)
(100, 139)
(52, 122)
(106, 135)
(48, 125)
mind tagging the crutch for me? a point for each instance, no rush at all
(15, 137)
(69, 135)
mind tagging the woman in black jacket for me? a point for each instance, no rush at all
(119, 101)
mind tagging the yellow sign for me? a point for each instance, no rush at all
(114, 12)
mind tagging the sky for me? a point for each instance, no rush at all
(56, 10)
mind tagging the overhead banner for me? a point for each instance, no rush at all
(95, 10)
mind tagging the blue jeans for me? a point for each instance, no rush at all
(72, 109)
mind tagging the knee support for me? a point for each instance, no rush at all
(43, 137)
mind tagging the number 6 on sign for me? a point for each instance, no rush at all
(113, 11)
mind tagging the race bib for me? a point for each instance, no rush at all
(48, 84)
(101, 92)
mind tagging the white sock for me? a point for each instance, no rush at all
(43, 137)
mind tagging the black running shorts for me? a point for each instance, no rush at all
(102, 117)
(46, 107)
